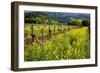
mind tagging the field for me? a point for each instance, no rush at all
(56, 42)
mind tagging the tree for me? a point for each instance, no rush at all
(85, 22)
(73, 21)
(34, 18)
(52, 22)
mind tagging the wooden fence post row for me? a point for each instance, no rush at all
(54, 30)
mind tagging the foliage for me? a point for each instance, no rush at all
(52, 22)
(85, 22)
(78, 22)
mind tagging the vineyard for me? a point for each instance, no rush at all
(56, 42)
(41, 32)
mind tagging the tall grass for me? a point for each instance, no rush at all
(74, 44)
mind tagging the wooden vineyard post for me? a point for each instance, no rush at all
(58, 28)
(68, 28)
(64, 30)
(32, 33)
(49, 31)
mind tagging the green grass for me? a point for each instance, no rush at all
(74, 44)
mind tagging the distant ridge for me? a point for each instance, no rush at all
(60, 16)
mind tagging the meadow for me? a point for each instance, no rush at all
(56, 42)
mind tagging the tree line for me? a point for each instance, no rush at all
(41, 19)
